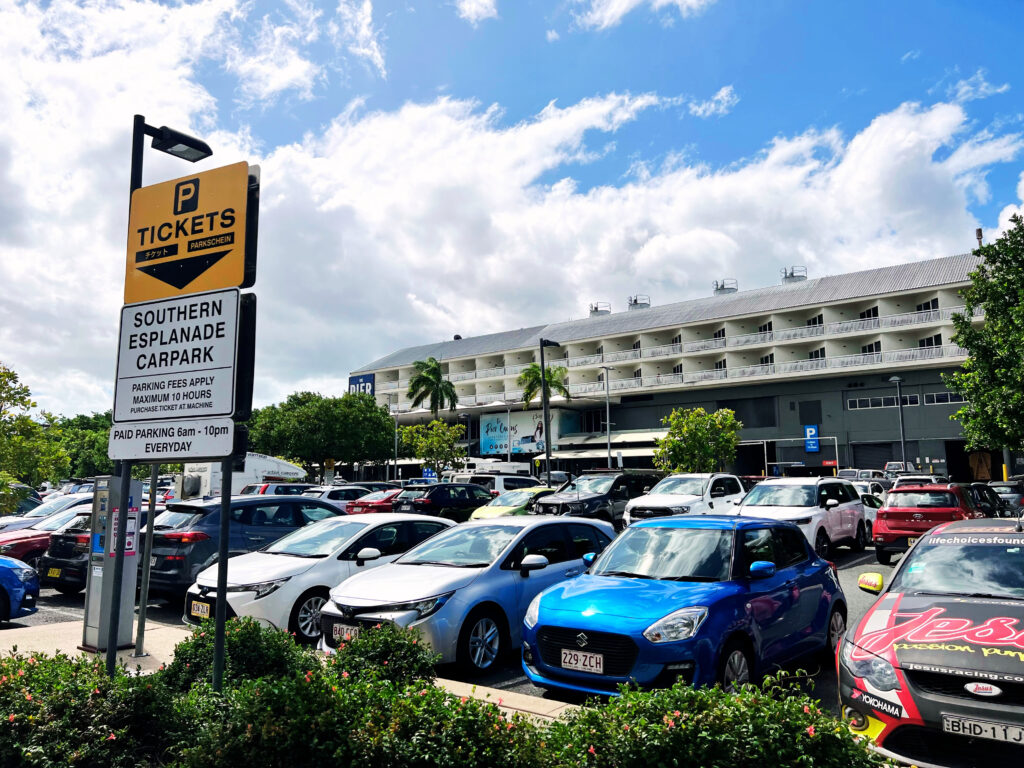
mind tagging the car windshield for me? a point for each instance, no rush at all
(57, 520)
(768, 495)
(413, 493)
(589, 484)
(177, 517)
(53, 505)
(848, 473)
(990, 565)
(903, 499)
(317, 539)
(376, 496)
(674, 554)
(315, 494)
(1009, 489)
(688, 486)
(250, 489)
(471, 546)
(512, 499)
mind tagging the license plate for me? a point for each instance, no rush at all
(53, 573)
(406, 507)
(984, 729)
(911, 540)
(582, 661)
(200, 610)
(152, 562)
(345, 632)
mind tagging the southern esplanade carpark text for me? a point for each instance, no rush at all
(177, 337)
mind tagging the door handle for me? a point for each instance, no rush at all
(573, 572)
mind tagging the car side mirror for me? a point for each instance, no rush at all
(647, 489)
(737, 502)
(871, 582)
(762, 569)
(367, 553)
(831, 503)
(622, 493)
(532, 563)
(588, 558)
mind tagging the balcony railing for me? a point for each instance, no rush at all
(663, 351)
(513, 394)
(713, 375)
(487, 373)
(625, 384)
(800, 332)
(793, 366)
(663, 379)
(854, 326)
(586, 388)
(385, 385)
(700, 346)
(751, 338)
(626, 354)
(846, 361)
(575, 362)
(751, 370)
(462, 376)
(515, 370)
(922, 353)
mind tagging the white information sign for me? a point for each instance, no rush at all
(176, 358)
(172, 440)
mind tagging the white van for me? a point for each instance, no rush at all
(494, 481)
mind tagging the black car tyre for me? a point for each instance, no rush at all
(822, 545)
(481, 641)
(305, 618)
(834, 633)
(860, 541)
(68, 589)
(735, 666)
(883, 557)
(5, 606)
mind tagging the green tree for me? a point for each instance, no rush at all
(530, 380)
(697, 441)
(84, 439)
(428, 384)
(992, 378)
(436, 445)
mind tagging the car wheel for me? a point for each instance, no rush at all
(822, 545)
(835, 631)
(33, 560)
(305, 618)
(883, 557)
(860, 541)
(481, 642)
(5, 606)
(734, 667)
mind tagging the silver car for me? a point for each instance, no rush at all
(466, 589)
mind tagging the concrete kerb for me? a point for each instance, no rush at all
(64, 637)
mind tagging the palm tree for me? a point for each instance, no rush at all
(428, 383)
(530, 380)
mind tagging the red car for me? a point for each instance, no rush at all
(912, 510)
(28, 544)
(378, 501)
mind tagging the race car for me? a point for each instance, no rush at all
(934, 672)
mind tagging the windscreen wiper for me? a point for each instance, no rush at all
(624, 574)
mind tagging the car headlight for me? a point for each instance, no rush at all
(425, 607)
(876, 670)
(6, 547)
(263, 589)
(802, 521)
(532, 613)
(680, 510)
(678, 625)
(25, 574)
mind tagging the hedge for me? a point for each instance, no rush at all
(374, 704)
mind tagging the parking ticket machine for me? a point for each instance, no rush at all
(100, 600)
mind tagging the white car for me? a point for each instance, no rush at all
(903, 480)
(827, 509)
(337, 496)
(467, 589)
(686, 494)
(285, 584)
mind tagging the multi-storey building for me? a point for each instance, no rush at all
(802, 353)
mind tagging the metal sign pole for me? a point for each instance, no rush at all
(147, 548)
(221, 610)
(119, 542)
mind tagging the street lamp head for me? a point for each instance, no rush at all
(549, 343)
(180, 144)
(895, 380)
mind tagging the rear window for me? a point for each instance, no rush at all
(376, 496)
(313, 494)
(924, 499)
(178, 517)
(250, 489)
(1009, 488)
(413, 493)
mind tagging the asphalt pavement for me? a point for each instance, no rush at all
(508, 676)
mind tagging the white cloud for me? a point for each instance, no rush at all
(552, 35)
(974, 87)
(720, 104)
(910, 56)
(604, 14)
(475, 11)
(1010, 210)
(355, 31)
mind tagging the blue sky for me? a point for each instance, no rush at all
(433, 167)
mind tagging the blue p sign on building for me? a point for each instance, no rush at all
(361, 384)
(811, 438)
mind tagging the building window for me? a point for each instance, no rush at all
(863, 403)
(719, 334)
(600, 377)
(816, 354)
(766, 328)
(931, 341)
(927, 306)
(867, 314)
(720, 365)
(677, 339)
(677, 368)
(600, 350)
(942, 398)
(816, 320)
(872, 348)
(636, 344)
(637, 374)
(768, 359)
(592, 420)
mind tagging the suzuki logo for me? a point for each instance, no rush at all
(582, 640)
(917, 516)
(983, 689)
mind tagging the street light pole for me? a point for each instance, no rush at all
(394, 415)
(608, 409)
(508, 433)
(544, 403)
(899, 400)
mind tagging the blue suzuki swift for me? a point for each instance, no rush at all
(703, 599)
(19, 589)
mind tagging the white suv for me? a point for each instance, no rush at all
(494, 481)
(686, 494)
(828, 510)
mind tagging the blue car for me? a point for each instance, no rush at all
(704, 599)
(19, 589)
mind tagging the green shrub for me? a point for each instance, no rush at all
(252, 651)
(764, 726)
(386, 651)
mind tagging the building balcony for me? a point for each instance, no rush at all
(800, 332)
(713, 375)
(487, 373)
(625, 354)
(462, 376)
(663, 380)
(586, 388)
(746, 339)
(854, 326)
(795, 366)
(515, 370)
(386, 385)
(751, 370)
(631, 383)
(704, 345)
(575, 362)
(666, 350)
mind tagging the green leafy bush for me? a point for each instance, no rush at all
(386, 651)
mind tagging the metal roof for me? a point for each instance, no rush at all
(808, 293)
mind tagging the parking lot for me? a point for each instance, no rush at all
(55, 607)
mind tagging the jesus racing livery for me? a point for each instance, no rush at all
(934, 673)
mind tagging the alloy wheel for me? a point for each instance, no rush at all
(484, 642)
(737, 671)
(308, 618)
(821, 545)
(836, 630)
